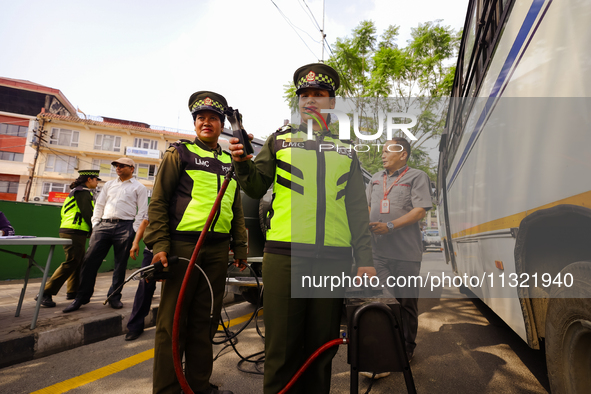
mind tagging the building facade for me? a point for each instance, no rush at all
(44, 141)
(68, 144)
(20, 102)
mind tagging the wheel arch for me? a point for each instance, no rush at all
(547, 241)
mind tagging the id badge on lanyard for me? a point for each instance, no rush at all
(385, 203)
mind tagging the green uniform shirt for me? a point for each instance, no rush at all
(256, 177)
(157, 235)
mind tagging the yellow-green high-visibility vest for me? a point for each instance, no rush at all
(308, 214)
(71, 215)
(199, 183)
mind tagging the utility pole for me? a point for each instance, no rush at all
(39, 136)
(322, 32)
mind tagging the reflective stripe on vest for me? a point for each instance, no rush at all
(309, 190)
(71, 215)
(202, 177)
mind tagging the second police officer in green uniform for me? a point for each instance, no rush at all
(184, 192)
(318, 214)
(75, 225)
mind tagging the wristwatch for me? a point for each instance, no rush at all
(390, 226)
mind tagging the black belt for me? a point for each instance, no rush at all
(115, 220)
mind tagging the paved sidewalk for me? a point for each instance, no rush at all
(57, 331)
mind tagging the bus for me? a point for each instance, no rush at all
(514, 175)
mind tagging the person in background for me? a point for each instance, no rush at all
(119, 210)
(145, 290)
(75, 225)
(399, 197)
(5, 227)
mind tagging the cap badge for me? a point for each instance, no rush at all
(207, 101)
(311, 76)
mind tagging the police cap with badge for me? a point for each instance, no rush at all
(90, 174)
(207, 101)
(316, 76)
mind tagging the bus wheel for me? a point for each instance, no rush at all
(568, 331)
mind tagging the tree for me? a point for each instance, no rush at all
(378, 76)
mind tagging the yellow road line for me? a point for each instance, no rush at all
(239, 320)
(100, 373)
(118, 366)
(583, 200)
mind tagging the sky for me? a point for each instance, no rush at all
(141, 60)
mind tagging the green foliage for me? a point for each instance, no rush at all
(379, 76)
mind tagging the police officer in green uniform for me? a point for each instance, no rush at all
(317, 222)
(184, 192)
(75, 225)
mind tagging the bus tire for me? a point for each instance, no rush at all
(568, 332)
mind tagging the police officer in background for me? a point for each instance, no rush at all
(319, 213)
(75, 225)
(184, 193)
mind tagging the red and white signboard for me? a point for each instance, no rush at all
(57, 197)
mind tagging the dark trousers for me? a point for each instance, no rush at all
(407, 296)
(197, 328)
(143, 298)
(70, 269)
(104, 235)
(296, 327)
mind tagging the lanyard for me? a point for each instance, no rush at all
(393, 184)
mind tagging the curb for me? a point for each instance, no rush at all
(25, 347)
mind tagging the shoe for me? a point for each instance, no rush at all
(211, 390)
(74, 306)
(71, 296)
(46, 301)
(133, 335)
(116, 304)
(370, 375)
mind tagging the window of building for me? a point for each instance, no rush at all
(107, 142)
(61, 163)
(8, 187)
(64, 137)
(145, 143)
(105, 167)
(54, 187)
(145, 171)
(11, 156)
(11, 129)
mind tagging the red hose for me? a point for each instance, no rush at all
(176, 349)
(311, 359)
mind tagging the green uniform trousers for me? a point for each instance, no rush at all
(296, 327)
(70, 269)
(197, 329)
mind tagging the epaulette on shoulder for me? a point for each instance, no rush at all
(179, 143)
(284, 129)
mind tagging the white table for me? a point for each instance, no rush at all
(34, 242)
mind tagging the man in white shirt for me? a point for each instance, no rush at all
(118, 213)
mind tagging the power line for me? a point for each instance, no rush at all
(320, 29)
(310, 15)
(294, 28)
(328, 46)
